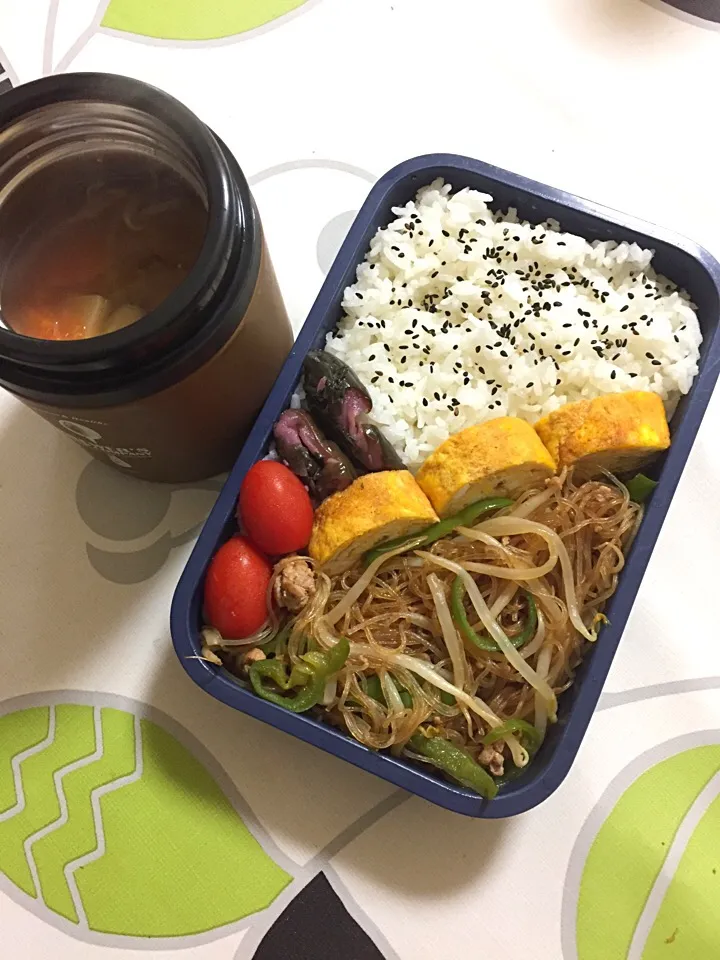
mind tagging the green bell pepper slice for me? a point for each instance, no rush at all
(482, 642)
(373, 688)
(329, 662)
(444, 528)
(528, 734)
(308, 677)
(455, 762)
(307, 696)
(279, 642)
(640, 487)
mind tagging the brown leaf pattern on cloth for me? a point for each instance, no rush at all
(704, 9)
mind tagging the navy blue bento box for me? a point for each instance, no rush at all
(688, 265)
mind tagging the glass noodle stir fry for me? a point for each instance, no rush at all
(452, 645)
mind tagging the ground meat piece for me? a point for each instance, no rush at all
(295, 584)
(253, 655)
(240, 661)
(491, 757)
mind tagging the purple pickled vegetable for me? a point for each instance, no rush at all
(320, 464)
(340, 403)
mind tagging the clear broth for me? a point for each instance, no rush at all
(101, 242)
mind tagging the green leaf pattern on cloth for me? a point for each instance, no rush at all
(190, 20)
(148, 864)
(633, 859)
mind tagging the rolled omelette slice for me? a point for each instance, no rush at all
(618, 432)
(373, 509)
(501, 457)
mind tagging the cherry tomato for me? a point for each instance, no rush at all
(275, 509)
(236, 589)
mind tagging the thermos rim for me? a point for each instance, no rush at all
(198, 317)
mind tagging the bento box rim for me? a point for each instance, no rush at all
(511, 801)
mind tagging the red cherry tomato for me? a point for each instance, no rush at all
(236, 589)
(275, 509)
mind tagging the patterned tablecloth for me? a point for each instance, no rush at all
(138, 814)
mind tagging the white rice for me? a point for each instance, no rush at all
(460, 315)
